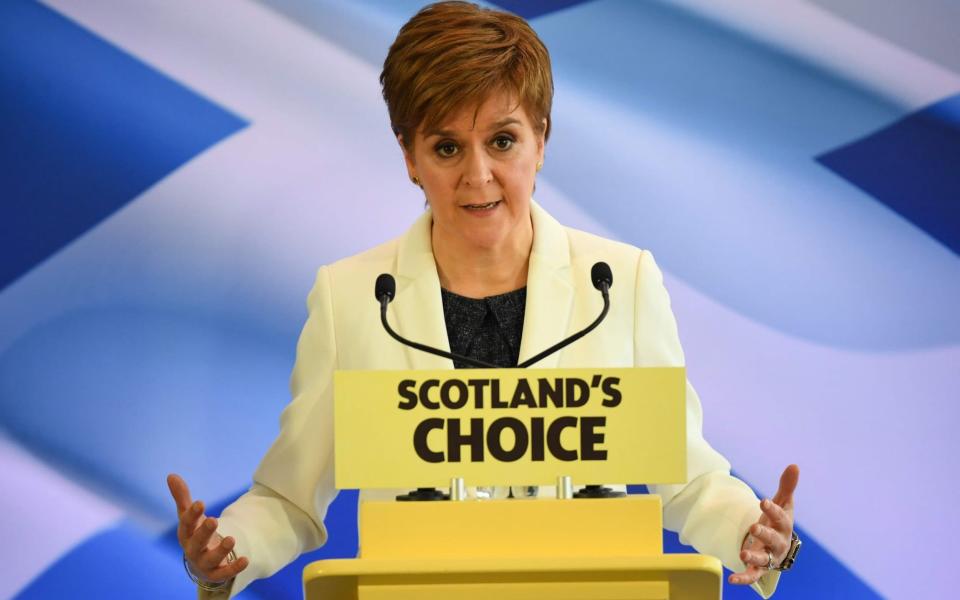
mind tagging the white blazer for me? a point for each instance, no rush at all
(282, 514)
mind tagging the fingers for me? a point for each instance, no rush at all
(770, 532)
(754, 558)
(750, 575)
(229, 571)
(215, 554)
(200, 539)
(756, 563)
(209, 559)
(771, 539)
(788, 483)
(207, 555)
(213, 565)
(179, 491)
(190, 519)
(776, 516)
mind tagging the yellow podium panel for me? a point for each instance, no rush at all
(662, 577)
(503, 426)
(512, 528)
(581, 549)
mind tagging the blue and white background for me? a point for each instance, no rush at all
(173, 172)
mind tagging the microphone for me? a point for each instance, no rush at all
(602, 279)
(385, 288)
(384, 291)
(601, 276)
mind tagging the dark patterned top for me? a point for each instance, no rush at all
(486, 329)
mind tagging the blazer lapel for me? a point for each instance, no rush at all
(550, 289)
(417, 310)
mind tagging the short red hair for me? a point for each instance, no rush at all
(452, 55)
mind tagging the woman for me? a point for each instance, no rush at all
(487, 273)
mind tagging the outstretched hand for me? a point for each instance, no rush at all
(770, 536)
(206, 551)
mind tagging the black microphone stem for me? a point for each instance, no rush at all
(385, 290)
(605, 290)
(435, 351)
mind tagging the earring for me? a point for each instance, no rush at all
(539, 166)
(416, 181)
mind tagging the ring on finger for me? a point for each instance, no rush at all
(770, 565)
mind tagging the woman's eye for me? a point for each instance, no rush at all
(502, 142)
(446, 149)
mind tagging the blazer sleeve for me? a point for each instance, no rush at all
(713, 510)
(282, 515)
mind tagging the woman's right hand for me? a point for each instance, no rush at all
(204, 548)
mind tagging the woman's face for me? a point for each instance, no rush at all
(477, 171)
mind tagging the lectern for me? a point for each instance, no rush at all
(577, 549)
(513, 549)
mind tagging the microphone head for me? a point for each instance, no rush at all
(600, 273)
(385, 288)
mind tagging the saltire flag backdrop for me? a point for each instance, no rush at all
(173, 172)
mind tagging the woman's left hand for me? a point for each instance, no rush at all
(770, 536)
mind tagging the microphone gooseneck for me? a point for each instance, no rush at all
(602, 280)
(384, 290)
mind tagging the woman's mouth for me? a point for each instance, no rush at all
(482, 207)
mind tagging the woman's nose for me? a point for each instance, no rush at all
(476, 170)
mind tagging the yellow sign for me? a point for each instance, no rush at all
(403, 429)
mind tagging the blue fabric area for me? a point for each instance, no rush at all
(86, 128)
(111, 410)
(912, 166)
(121, 562)
(817, 574)
(529, 9)
(677, 134)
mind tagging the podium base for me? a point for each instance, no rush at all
(586, 549)
(668, 576)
